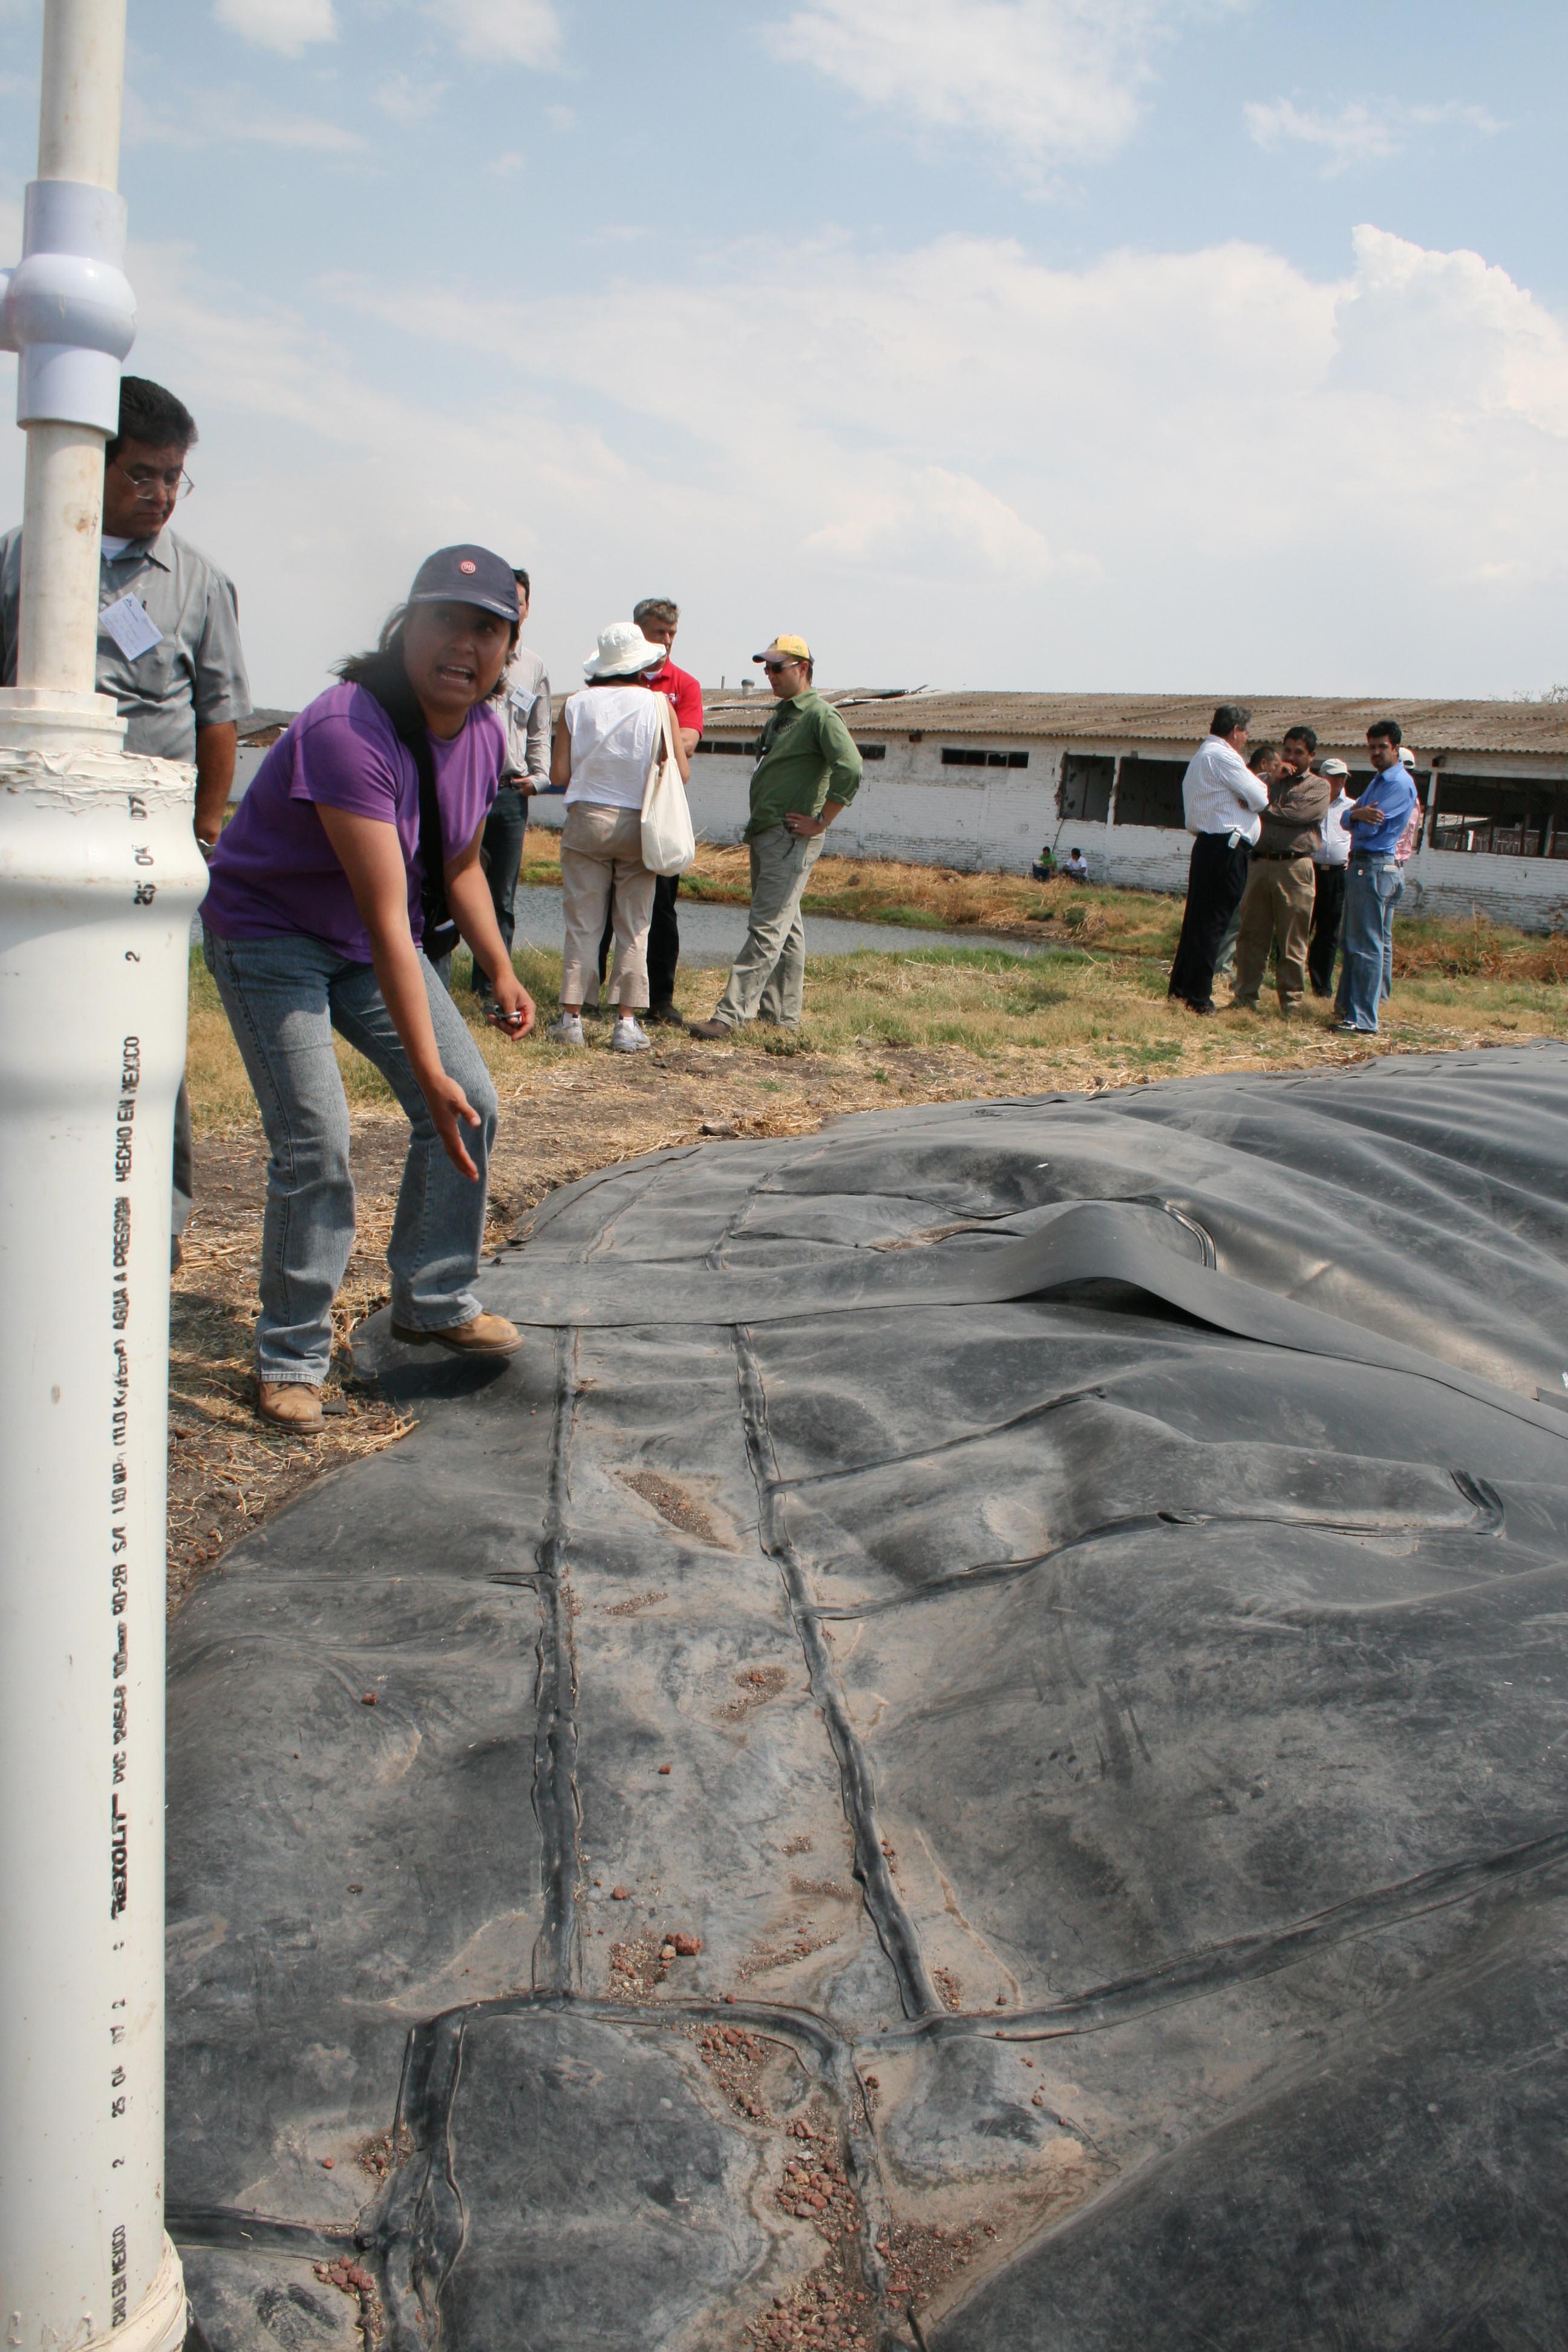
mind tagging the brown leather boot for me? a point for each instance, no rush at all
(483, 1335)
(292, 1404)
(710, 1028)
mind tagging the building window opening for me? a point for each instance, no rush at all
(954, 755)
(1501, 816)
(1149, 792)
(1085, 789)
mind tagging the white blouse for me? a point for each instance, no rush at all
(614, 729)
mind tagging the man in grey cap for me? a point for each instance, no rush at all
(168, 639)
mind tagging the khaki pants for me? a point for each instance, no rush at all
(1275, 906)
(601, 853)
(768, 976)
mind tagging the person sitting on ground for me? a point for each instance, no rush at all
(1077, 867)
(1277, 904)
(611, 732)
(1220, 801)
(1044, 868)
(1329, 862)
(807, 770)
(344, 869)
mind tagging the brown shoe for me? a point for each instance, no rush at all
(292, 1404)
(482, 1335)
(710, 1029)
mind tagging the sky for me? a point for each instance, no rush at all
(1143, 345)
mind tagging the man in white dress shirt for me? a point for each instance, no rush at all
(1221, 798)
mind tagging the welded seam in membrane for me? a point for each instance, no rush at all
(1195, 1974)
(557, 1949)
(1488, 1520)
(895, 1930)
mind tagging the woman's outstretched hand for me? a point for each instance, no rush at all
(450, 1112)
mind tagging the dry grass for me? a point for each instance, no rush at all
(934, 1024)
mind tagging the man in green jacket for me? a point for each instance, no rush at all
(807, 770)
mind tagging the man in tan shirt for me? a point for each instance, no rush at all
(1277, 904)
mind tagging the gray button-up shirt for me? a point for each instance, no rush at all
(525, 706)
(195, 677)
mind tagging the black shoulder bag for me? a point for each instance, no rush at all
(391, 689)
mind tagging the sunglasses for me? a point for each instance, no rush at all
(775, 669)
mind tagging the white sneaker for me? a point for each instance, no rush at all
(568, 1030)
(629, 1037)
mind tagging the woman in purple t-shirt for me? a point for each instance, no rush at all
(319, 903)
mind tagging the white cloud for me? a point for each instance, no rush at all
(1357, 133)
(1051, 81)
(408, 100)
(1202, 471)
(510, 32)
(218, 117)
(287, 26)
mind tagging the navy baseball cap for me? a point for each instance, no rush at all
(467, 575)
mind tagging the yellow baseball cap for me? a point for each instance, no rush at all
(785, 649)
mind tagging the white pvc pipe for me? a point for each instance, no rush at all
(62, 522)
(92, 1024)
(99, 875)
(78, 140)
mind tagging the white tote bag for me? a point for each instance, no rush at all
(669, 844)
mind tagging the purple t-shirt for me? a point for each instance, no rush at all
(275, 871)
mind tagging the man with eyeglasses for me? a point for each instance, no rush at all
(168, 637)
(807, 770)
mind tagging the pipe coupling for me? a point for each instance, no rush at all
(67, 308)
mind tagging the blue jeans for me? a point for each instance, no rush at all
(1372, 886)
(284, 997)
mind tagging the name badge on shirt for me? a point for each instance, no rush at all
(522, 704)
(128, 624)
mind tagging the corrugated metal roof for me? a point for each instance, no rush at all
(1177, 719)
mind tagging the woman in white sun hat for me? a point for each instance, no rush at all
(609, 735)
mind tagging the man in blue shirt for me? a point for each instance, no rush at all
(1376, 823)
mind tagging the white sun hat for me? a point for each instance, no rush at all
(622, 651)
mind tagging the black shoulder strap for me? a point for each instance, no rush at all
(408, 721)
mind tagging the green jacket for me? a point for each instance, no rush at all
(806, 756)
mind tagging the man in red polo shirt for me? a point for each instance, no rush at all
(659, 619)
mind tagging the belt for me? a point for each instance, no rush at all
(1279, 856)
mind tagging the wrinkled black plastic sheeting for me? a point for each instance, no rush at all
(1191, 1637)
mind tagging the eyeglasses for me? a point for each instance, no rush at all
(145, 483)
(775, 669)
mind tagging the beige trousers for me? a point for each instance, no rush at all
(601, 851)
(1277, 904)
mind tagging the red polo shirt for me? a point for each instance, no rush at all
(683, 691)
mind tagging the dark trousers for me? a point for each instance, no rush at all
(1328, 911)
(500, 853)
(663, 940)
(1216, 878)
(184, 1162)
